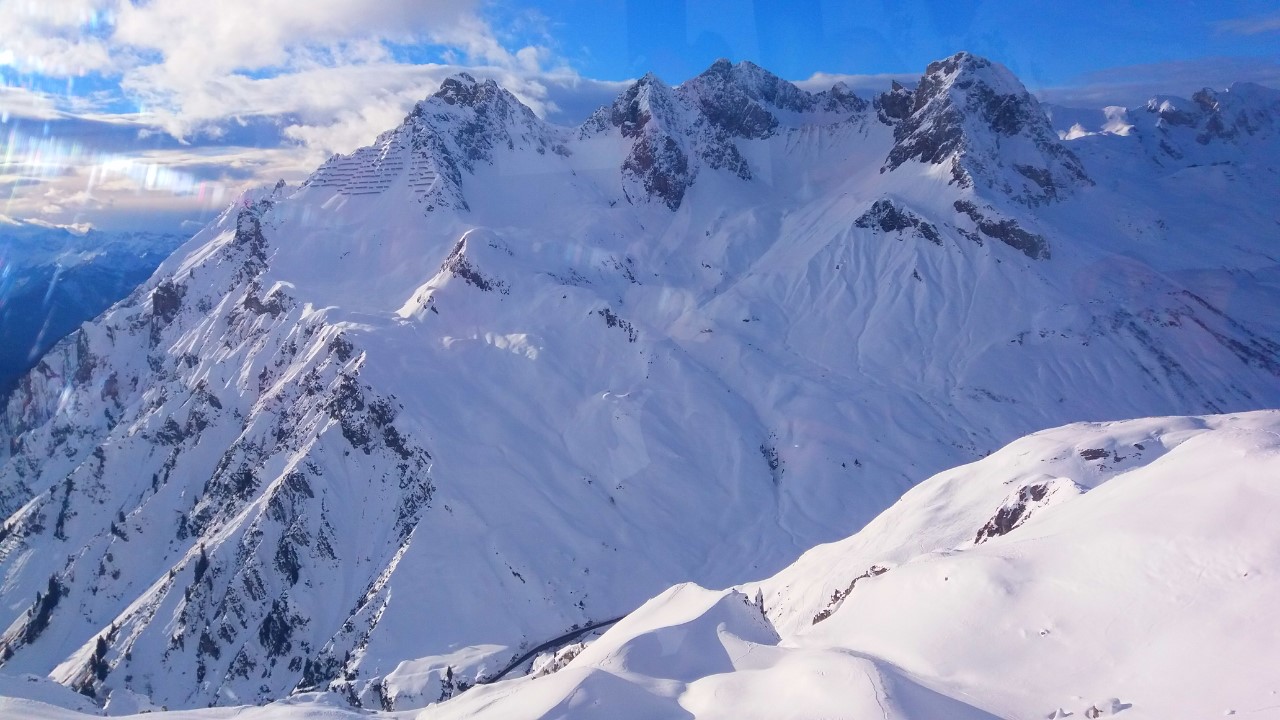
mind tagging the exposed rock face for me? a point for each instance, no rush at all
(1243, 111)
(895, 105)
(226, 589)
(677, 132)
(658, 165)
(732, 102)
(743, 100)
(1005, 230)
(840, 100)
(886, 217)
(1013, 512)
(976, 117)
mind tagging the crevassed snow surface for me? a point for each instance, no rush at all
(490, 380)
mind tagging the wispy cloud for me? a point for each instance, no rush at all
(113, 174)
(1134, 84)
(865, 85)
(21, 102)
(1256, 25)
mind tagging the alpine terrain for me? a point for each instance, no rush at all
(463, 397)
(52, 279)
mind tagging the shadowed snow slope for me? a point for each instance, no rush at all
(489, 380)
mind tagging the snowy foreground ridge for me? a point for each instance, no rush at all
(1122, 568)
(372, 440)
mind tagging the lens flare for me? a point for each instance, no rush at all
(29, 158)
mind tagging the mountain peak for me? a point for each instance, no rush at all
(962, 61)
(977, 116)
(722, 66)
(678, 130)
(756, 82)
(463, 89)
(650, 79)
(649, 100)
(742, 100)
(1241, 111)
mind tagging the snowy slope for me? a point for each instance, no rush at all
(489, 380)
(1127, 567)
(52, 279)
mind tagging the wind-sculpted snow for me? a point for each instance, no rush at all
(490, 381)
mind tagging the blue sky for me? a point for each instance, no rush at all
(123, 113)
(1045, 43)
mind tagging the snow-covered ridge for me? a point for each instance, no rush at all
(1136, 585)
(1212, 127)
(382, 434)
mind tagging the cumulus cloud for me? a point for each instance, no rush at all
(199, 67)
(57, 38)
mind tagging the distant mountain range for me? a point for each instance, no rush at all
(52, 279)
(488, 381)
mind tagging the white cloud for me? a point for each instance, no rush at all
(196, 66)
(237, 58)
(257, 90)
(1257, 25)
(59, 38)
(20, 102)
(211, 39)
(865, 86)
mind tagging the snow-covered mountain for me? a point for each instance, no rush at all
(53, 278)
(1086, 571)
(1094, 569)
(490, 380)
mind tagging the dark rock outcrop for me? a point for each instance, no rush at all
(887, 217)
(973, 114)
(1006, 231)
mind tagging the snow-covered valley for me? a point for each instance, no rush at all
(490, 380)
